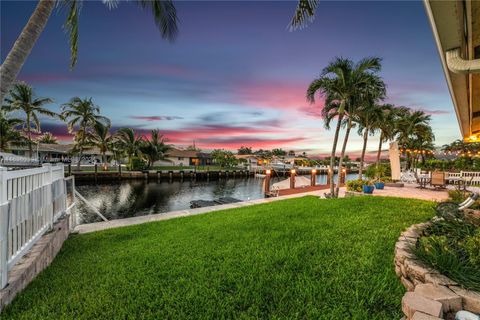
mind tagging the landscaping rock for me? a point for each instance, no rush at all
(451, 302)
(470, 299)
(413, 302)
(423, 316)
(416, 270)
(407, 284)
(465, 315)
(439, 279)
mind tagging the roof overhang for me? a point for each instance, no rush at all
(456, 29)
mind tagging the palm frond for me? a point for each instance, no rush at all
(304, 13)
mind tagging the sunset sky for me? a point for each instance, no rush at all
(235, 75)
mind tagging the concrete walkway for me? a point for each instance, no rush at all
(409, 191)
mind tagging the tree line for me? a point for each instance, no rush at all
(83, 120)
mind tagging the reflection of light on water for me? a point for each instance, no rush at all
(121, 199)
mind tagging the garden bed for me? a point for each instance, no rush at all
(438, 263)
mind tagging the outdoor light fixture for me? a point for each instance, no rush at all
(292, 171)
(268, 171)
(344, 170)
(314, 171)
(473, 137)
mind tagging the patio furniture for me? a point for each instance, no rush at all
(438, 180)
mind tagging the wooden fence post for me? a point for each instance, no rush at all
(3, 229)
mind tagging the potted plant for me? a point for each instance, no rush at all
(379, 184)
(368, 187)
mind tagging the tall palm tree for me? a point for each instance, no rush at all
(164, 14)
(22, 98)
(100, 137)
(412, 126)
(130, 142)
(367, 120)
(344, 84)
(387, 127)
(82, 115)
(48, 138)
(155, 148)
(8, 134)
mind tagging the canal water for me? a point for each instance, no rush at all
(128, 198)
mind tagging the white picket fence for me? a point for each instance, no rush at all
(31, 201)
(471, 178)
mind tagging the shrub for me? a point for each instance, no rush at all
(137, 164)
(472, 248)
(460, 196)
(380, 171)
(355, 185)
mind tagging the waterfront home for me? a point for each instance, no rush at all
(178, 157)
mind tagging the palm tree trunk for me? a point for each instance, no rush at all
(362, 158)
(24, 44)
(340, 163)
(379, 148)
(29, 135)
(334, 149)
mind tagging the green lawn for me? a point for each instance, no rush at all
(301, 258)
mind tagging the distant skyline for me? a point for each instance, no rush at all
(235, 75)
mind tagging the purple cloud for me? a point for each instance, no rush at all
(156, 118)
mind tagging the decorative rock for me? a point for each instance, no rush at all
(465, 315)
(401, 255)
(413, 302)
(416, 270)
(407, 284)
(470, 299)
(449, 300)
(439, 279)
(423, 316)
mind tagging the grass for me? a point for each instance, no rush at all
(300, 258)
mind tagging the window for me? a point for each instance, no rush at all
(180, 158)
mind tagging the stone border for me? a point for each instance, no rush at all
(428, 285)
(37, 259)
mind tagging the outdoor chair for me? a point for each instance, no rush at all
(438, 180)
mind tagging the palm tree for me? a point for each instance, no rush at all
(22, 98)
(368, 119)
(8, 134)
(344, 85)
(84, 114)
(154, 149)
(100, 137)
(48, 138)
(164, 14)
(387, 127)
(130, 142)
(412, 126)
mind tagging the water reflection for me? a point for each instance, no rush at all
(128, 198)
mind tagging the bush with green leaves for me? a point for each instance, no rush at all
(137, 164)
(380, 172)
(355, 185)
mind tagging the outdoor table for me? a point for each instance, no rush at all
(423, 181)
(459, 183)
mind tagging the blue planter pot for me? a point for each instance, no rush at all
(368, 189)
(379, 185)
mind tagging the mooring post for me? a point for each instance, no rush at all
(292, 179)
(96, 172)
(159, 175)
(226, 174)
(313, 178)
(170, 175)
(267, 182)
(69, 169)
(181, 175)
(329, 176)
(343, 176)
